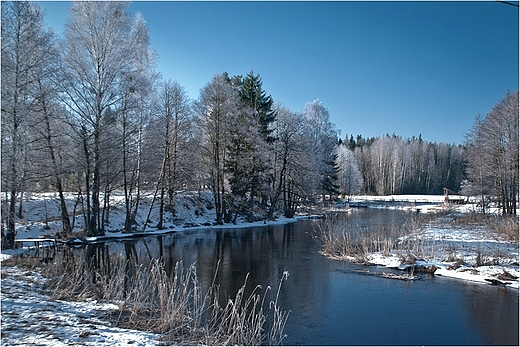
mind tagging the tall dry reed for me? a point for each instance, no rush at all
(339, 241)
(173, 305)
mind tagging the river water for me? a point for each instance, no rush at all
(331, 302)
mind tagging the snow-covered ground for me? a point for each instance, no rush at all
(399, 198)
(41, 214)
(192, 210)
(31, 317)
(417, 203)
(466, 252)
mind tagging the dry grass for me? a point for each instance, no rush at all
(25, 263)
(506, 227)
(173, 305)
(403, 240)
(340, 242)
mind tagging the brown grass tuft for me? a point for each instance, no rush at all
(173, 305)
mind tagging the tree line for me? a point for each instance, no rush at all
(392, 165)
(88, 113)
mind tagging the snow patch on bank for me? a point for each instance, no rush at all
(41, 217)
(457, 252)
(31, 317)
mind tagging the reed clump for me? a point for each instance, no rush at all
(173, 305)
(505, 226)
(409, 242)
(357, 245)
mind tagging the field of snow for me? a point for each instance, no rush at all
(420, 203)
(400, 198)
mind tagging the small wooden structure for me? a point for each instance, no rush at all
(454, 198)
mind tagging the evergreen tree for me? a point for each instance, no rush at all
(330, 172)
(351, 143)
(254, 97)
(250, 137)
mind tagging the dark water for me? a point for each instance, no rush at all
(330, 302)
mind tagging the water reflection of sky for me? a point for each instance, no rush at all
(332, 304)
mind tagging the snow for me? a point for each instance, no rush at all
(192, 210)
(30, 317)
(468, 241)
(400, 198)
(445, 245)
(480, 274)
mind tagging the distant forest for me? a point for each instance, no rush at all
(88, 113)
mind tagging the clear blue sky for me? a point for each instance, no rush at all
(407, 68)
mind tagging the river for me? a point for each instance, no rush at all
(331, 302)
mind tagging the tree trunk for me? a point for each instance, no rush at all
(94, 218)
(65, 221)
(161, 210)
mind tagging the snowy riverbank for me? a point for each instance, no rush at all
(457, 250)
(191, 210)
(464, 251)
(30, 316)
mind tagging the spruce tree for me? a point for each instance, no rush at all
(329, 183)
(254, 97)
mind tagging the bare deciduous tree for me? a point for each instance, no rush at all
(493, 154)
(350, 180)
(174, 122)
(214, 109)
(25, 44)
(105, 59)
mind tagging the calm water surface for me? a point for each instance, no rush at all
(331, 303)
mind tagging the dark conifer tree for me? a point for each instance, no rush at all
(329, 181)
(351, 143)
(254, 97)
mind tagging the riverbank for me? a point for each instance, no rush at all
(465, 251)
(41, 218)
(90, 331)
(456, 243)
(31, 317)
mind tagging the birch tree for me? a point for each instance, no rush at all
(25, 44)
(493, 154)
(50, 126)
(322, 137)
(287, 161)
(134, 112)
(350, 180)
(214, 109)
(102, 53)
(174, 123)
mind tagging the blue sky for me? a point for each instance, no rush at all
(407, 68)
